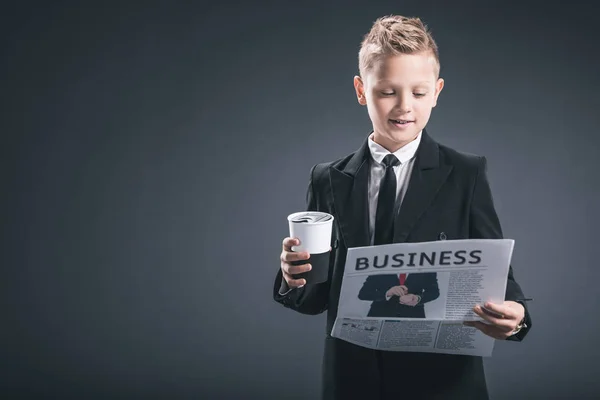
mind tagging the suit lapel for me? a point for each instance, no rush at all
(350, 195)
(425, 181)
(350, 192)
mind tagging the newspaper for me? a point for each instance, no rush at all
(415, 296)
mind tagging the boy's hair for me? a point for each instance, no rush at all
(395, 35)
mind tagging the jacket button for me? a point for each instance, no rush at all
(443, 236)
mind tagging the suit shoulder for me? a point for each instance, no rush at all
(321, 170)
(460, 159)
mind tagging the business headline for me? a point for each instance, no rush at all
(447, 258)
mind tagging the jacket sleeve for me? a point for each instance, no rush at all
(484, 224)
(374, 288)
(310, 299)
(430, 289)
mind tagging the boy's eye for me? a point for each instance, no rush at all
(414, 94)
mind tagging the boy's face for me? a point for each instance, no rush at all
(399, 92)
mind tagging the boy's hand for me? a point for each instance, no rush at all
(399, 291)
(287, 269)
(504, 318)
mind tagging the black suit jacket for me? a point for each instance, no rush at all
(423, 284)
(448, 195)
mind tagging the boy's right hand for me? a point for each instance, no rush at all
(288, 256)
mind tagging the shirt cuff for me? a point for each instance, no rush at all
(284, 289)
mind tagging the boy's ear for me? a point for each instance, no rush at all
(359, 87)
(439, 85)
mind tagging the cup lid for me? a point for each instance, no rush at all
(310, 217)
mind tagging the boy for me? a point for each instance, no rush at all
(400, 186)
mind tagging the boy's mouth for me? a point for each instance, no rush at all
(401, 122)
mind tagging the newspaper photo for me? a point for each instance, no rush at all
(416, 296)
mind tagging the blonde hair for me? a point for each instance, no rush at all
(395, 35)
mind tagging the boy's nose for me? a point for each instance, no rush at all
(402, 107)
(403, 103)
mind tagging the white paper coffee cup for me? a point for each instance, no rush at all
(313, 229)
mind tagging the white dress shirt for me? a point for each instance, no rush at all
(406, 156)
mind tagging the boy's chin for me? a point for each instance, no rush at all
(403, 137)
(392, 141)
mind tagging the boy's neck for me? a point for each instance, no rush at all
(389, 145)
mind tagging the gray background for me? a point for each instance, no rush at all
(150, 156)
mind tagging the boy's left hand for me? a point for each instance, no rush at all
(503, 318)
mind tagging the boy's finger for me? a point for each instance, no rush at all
(500, 310)
(503, 324)
(288, 242)
(294, 283)
(296, 269)
(292, 256)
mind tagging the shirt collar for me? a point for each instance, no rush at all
(404, 154)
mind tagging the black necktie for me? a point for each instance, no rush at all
(384, 220)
